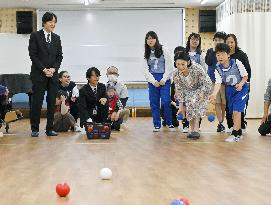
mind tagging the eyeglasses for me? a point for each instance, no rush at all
(194, 39)
(113, 73)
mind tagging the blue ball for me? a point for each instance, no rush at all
(211, 118)
(180, 116)
(177, 202)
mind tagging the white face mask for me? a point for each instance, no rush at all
(112, 78)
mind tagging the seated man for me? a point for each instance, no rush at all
(63, 120)
(3, 101)
(265, 127)
(93, 103)
(121, 90)
(3, 104)
(115, 108)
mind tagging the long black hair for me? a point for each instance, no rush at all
(158, 47)
(195, 35)
(235, 39)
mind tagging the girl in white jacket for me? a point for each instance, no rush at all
(158, 71)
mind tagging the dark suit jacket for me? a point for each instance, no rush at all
(43, 56)
(88, 101)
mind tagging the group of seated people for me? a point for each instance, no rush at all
(94, 102)
(97, 102)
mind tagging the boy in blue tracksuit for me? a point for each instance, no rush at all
(158, 71)
(211, 61)
(233, 74)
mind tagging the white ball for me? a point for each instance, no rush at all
(1, 134)
(105, 173)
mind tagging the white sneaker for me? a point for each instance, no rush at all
(244, 131)
(185, 129)
(171, 128)
(229, 130)
(76, 128)
(156, 129)
(232, 138)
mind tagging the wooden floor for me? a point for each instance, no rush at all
(148, 168)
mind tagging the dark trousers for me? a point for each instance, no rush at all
(102, 113)
(116, 124)
(39, 88)
(74, 110)
(174, 110)
(265, 128)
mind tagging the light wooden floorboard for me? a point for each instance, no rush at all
(148, 168)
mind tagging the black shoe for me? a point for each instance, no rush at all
(34, 134)
(193, 135)
(51, 133)
(244, 125)
(220, 128)
(164, 123)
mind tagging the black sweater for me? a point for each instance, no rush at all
(241, 56)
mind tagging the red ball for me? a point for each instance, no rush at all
(106, 128)
(62, 189)
(185, 201)
(90, 129)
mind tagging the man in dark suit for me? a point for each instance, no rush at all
(93, 103)
(45, 52)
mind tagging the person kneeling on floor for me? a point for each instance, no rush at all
(265, 127)
(115, 108)
(93, 104)
(63, 120)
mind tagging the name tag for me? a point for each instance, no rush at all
(94, 111)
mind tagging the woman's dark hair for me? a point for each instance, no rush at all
(61, 73)
(158, 48)
(179, 49)
(182, 56)
(48, 16)
(220, 34)
(61, 92)
(222, 47)
(195, 35)
(235, 40)
(92, 69)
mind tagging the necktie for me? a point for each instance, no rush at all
(95, 91)
(48, 38)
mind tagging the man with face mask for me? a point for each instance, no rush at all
(121, 89)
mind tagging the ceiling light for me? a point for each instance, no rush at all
(86, 2)
(203, 1)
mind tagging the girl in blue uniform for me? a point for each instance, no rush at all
(158, 71)
(193, 48)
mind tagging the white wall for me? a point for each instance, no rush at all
(113, 37)
(14, 53)
(253, 34)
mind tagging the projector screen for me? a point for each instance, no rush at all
(14, 53)
(102, 38)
